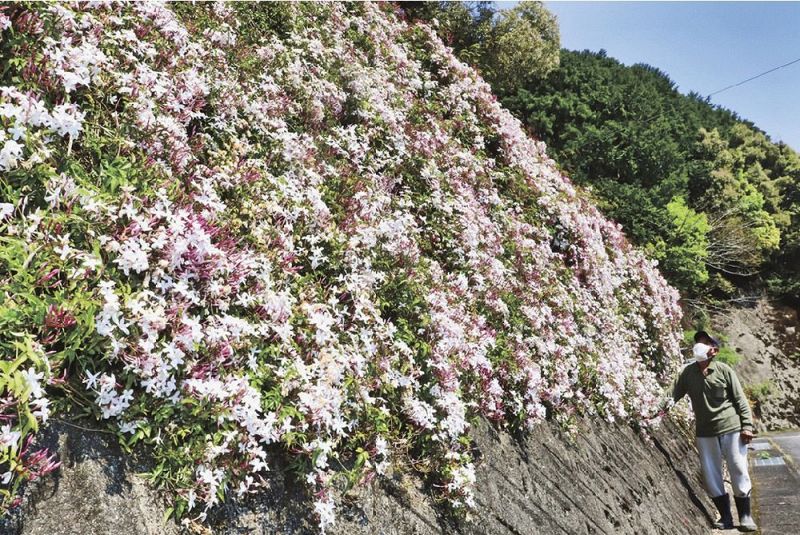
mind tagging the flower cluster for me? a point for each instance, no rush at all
(322, 234)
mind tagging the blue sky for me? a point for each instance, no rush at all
(703, 46)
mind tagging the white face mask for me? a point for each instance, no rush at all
(701, 352)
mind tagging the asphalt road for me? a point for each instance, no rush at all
(775, 467)
(789, 443)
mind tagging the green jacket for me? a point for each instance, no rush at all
(718, 401)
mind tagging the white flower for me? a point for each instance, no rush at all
(463, 483)
(111, 403)
(190, 499)
(91, 379)
(64, 249)
(420, 412)
(382, 449)
(10, 155)
(128, 427)
(323, 322)
(9, 438)
(17, 131)
(133, 256)
(67, 120)
(326, 511)
(41, 409)
(6, 209)
(32, 379)
(317, 257)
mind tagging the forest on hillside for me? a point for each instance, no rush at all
(702, 190)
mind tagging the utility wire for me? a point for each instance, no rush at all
(658, 116)
(754, 77)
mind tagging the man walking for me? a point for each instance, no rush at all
(723, 425)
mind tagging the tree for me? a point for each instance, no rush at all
(727, 184)
(522, 46)
(510, 48)
(683, 250)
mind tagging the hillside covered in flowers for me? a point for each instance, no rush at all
(231, 230)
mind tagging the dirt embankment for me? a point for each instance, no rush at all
(766, 337)
(605, 481)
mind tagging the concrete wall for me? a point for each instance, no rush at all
(605, 480)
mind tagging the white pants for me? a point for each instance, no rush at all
(731, 447)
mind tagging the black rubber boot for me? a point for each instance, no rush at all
(723, 504)
(746, 522)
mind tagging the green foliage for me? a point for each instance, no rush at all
(465, 26)
(510, 47)
(728, 356)
(627, 135)
(688, 336)
(39, 298)
(523, 46)
(784, 277)
(683, 250)
(759, 392)
(729, 183)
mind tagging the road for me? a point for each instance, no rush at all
(790, 444)
(775, 467)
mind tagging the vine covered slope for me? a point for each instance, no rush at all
(226, 229)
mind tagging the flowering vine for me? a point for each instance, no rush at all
(309, 228)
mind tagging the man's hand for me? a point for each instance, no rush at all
(746, 436)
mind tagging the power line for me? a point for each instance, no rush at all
(754, 77)
(663, 113)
